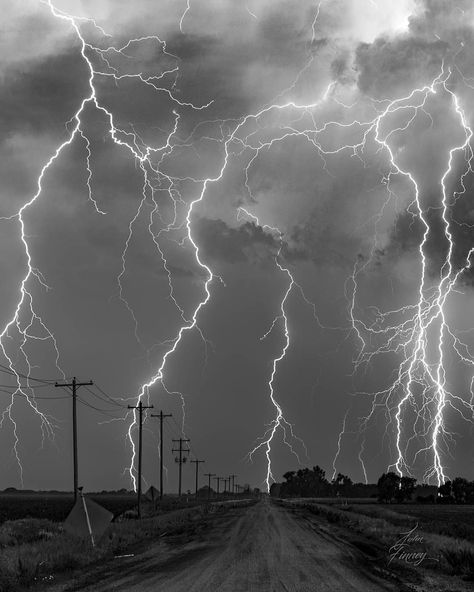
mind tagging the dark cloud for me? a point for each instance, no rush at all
(41, 96)
(389, 68)
(408, 231)
(329, 209)
(340, 67)
(325, 247)
(405, 236)
(247, 243)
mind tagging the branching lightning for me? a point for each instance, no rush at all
(413, 337)
(419, 335)
(279, 422)
(420, 381)
(143, 156)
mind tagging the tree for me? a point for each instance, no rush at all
(470, 493)
(275, 489)
(406, 489)
(290, 487)
(446, 491)
(459, 488)
(342, 484)
(388, 485)
(305, 483)
(458, 491)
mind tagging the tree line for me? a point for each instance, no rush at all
(313, 483)
(389, 488)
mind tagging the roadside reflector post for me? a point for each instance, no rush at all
(89, 527)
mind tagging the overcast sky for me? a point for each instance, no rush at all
(354, 183)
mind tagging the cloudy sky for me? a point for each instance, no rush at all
(307, 161)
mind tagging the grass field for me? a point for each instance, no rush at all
(453, 520)
(56, 506)
(447, 532)
(450, 520)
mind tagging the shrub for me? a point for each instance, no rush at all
(27, 530)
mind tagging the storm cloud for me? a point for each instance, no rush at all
(274, 107)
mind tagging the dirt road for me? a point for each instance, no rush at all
(262, 548)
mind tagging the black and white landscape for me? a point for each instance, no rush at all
(236, 307)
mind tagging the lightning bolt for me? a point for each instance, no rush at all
(425, 325)
(279, 422)
(420, 385)
(25, 322)
(148, 160)
(143, 156)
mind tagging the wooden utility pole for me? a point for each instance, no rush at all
(140, 408)
(161, 415)
(221, 479)
(218, 480)
(232, 490)
(196, 462)
(180, 460)
(74, 385)
(209, 485)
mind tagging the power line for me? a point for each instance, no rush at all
(16, 387)
(8, 370)
(108, 396)
(179, 432)
(105, 400)
(45, 398)
(102, 411)
(18, 392)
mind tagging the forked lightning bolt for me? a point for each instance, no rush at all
(420, 332)
(143, 156)
(413, 337)
(279, 422)
(420, 381)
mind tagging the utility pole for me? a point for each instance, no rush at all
(74, 385)
(221, 479)
(140, 408)
(218, 480)
(209, 485)
(180, 459)
(225, 486)
(232, 490)
(196, 462)
(161, 415)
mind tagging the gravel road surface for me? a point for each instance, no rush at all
(261, 548)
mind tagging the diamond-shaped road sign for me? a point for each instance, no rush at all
(152, 494)
(87, 518)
